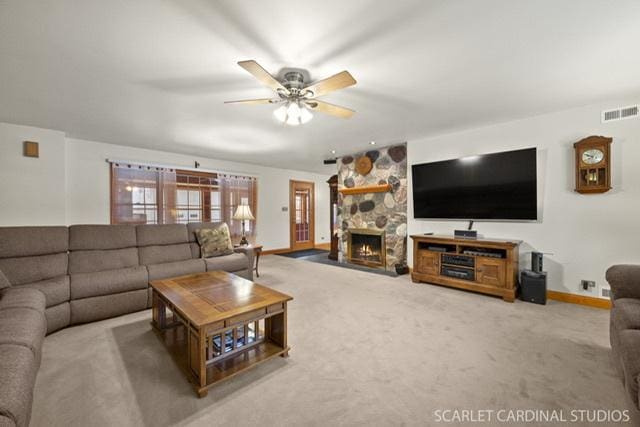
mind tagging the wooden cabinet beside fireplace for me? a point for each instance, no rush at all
(487, 266)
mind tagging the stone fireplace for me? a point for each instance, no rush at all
(366, 247)
(373, 221)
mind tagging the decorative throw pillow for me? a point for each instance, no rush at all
(215, 241)
(4, 282)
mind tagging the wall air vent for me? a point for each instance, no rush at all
(606, 293)
(620, 114)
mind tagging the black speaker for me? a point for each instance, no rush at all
(536, 262)
(533, 286)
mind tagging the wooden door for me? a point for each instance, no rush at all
(491, 271)
(301, 215)
(429, 262)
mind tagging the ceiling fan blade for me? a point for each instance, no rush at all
(335, 82)
(253, 101)
(261, 74)
(334, 110)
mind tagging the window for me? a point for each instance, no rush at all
(188, 206)
(156, 195)
(144, 204)
(195, 196)
(139, 194)
(235, 191)
(216, 210)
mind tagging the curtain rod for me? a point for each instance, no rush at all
(160, 165)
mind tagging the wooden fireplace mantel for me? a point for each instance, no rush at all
(382, 188)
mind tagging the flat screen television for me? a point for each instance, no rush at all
(498, 186)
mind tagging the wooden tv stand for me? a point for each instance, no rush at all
(480, 272)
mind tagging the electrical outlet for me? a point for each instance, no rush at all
(588, 284)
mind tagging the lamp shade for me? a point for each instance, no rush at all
(243, 212)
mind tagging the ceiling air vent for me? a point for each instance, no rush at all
(620, 114)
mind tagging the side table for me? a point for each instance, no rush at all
(257, 250)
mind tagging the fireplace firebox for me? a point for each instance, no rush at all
(366, 247)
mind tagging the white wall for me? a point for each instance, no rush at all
(32, 190)
(69, 183)
(585, 233)
(88, 187)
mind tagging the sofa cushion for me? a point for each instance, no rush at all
(161, 254)
(23, 326)
(192, 227)
(101, 260)
(215, 242)
(108, 282)
(193, 241)
(175, 269)
(161, 234)
(4, 282)
(21, 297)
(18, 369)
(103, 307)
(625, 314)
(32, 241)
(34, 268)
(629, 348)
(56, 291)
(229, 263)
(58, 317)
(101, 237)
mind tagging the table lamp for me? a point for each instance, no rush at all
(243, 213)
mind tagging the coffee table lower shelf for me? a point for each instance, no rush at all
(245, 359)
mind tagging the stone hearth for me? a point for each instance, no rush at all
(383, 212)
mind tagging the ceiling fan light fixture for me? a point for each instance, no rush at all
(280, 113)
(293, 111)
(296, 96)
(293, 114)
(305, 115)
(292, 121)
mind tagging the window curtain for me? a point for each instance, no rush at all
(142, 194)
(150, 195)
(239, 190)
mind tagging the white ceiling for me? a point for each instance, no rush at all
(155, 74)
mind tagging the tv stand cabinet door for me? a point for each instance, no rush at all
(428, 262)
(491, 272)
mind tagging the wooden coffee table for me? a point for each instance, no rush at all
(219, 324)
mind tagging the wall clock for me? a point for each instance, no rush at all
(593, 164)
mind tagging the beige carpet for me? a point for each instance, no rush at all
(366, 350)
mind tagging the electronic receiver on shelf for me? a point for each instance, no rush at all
(465, 261)
(458, 272)
(482, 253)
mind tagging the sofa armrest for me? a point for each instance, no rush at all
(249, 252)
(624, 280)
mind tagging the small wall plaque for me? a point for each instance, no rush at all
(31, 149)
(364, 165)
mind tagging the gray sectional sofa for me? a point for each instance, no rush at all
(62, 276)
(624, 325)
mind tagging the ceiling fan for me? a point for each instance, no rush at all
(296, 97)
